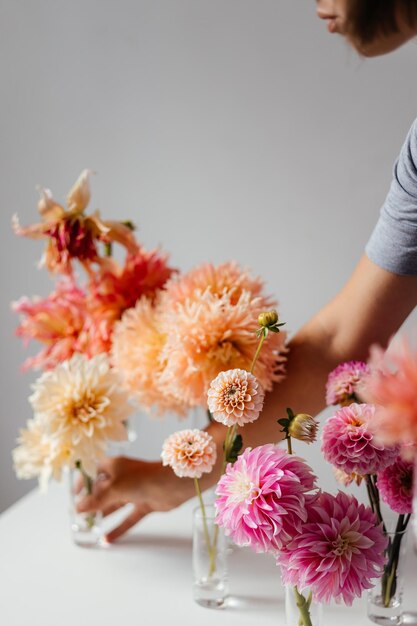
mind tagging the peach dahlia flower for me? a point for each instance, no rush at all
(235, 398)
(190, 453)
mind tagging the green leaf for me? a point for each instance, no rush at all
(235, 449)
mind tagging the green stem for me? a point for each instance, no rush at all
(258, 349)
(88, 485)
(303, 607)
(289, 445)
(211, 550)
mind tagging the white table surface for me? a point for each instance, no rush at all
(45, 580)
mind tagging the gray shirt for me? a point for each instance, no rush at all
(393, 243)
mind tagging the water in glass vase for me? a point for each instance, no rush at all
(210, 548)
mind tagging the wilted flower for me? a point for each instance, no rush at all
(190, 453)
(349, 445)
(345, 382)
(70, 233)
(261, 498)
(395, 485)
(303, 427)
(339, 551)
(81, 406)
(235, 397)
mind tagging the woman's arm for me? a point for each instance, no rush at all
(369, 309)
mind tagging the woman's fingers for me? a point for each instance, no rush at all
(133, 518)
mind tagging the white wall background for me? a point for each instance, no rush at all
(226, 129)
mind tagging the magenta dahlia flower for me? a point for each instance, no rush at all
(339, 551)
(261, 498)
(349, 445)
(345, 381)
(395, 485)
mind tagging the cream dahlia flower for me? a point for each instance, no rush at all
(81, 406)
(235, 398)
(189, 453)
(37, 455)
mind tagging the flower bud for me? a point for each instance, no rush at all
(269, 318)
(303, 427)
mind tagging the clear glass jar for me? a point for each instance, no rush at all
(210, 549)
(385, 598)
(300, 610)
(85, 527)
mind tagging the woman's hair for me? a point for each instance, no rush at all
(368, 19)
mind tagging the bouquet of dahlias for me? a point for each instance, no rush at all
(351, 444)
(80, 318)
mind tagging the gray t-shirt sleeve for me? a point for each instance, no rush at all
(393, 243)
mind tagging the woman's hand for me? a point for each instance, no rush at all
(147, 485)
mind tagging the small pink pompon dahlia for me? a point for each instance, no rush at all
(344, 382)
(392, 386)
(349, 445)
(338, 552)
(261, 498)
(395, 485)
(235, 397)
(190, 453)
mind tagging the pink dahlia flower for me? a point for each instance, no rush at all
(261, 498)
(344, 382)
(338, 552)
(395, 485)
(349, 445)
(190, 453)
(235, 397)
(392, 386)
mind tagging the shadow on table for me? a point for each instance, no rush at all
(148, 541)
(253, 603)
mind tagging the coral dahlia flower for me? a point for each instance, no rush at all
(339, 551)
(190, 453)
(261, 498)
(235, 398)
(392, 386)
(349, 445)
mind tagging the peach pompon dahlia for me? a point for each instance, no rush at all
(190, 453)
(235, 398)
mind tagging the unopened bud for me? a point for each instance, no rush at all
(269, 318)
(303, 427)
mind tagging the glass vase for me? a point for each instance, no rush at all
(300, 610)
(210, 549)
(385, 598)
(85, 527)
